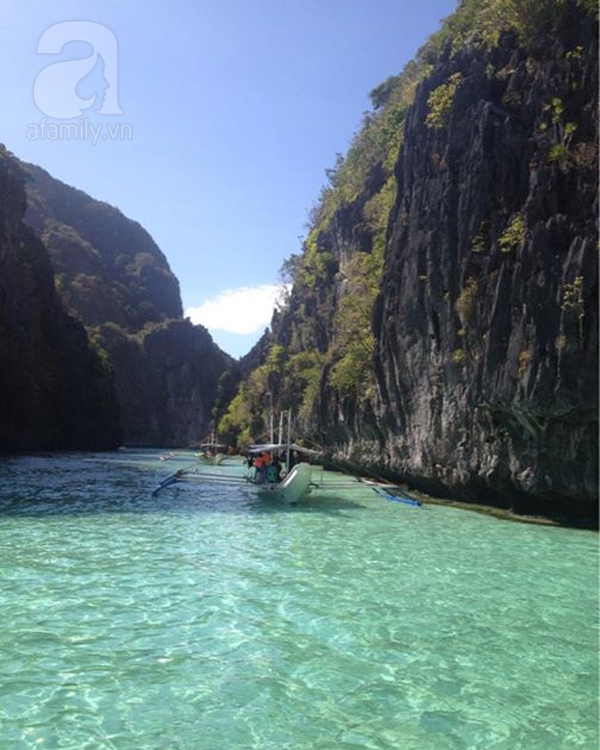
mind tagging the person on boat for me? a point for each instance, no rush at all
(261, 464)
(274, 471)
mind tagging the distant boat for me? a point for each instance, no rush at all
(211, 452)
(167, 457)
(212, 459)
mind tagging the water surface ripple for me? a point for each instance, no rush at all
(203, 619)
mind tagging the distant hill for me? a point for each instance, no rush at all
(111, 275)
(107, 267)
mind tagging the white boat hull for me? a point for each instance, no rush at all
(292, 489)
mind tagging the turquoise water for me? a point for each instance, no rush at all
(204, 619)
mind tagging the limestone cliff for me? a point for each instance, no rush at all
(166, 380)
(55, 393)
(442, 326)
(486, 323)
(112, 276)
(107, 266)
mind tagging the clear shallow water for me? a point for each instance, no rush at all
(207, 620)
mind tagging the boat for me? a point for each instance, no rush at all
(212, 459)
(295, 485)
(210, 452)
(298, 485)
(167, 457)
(301, 483)
(267, 482)
(297, 482)
(292, 489)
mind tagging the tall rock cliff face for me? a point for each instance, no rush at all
(112, 276)
(486, 324)
(166, 380)
(54, 391)
(442, 326)
(107, 266)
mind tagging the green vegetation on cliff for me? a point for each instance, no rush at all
(107, 267)
(323, 355)
(110, 275)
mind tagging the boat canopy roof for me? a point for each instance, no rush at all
(269, 447)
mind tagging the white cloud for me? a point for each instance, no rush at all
(244, 310)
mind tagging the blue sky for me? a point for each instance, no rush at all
(231, 112)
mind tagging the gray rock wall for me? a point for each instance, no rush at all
(487, 348)
(166, 381)
(115, 279)
(54, 391)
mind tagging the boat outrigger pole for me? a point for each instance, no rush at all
(169, 481)
(289, 431)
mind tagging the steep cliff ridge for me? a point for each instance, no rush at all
(112, 276)
(486, 325)
(442, 326)
(166, 379)
(54, 391)
(107, 266)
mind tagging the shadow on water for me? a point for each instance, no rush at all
(78, 485)
(42, 504)
(317, 503)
